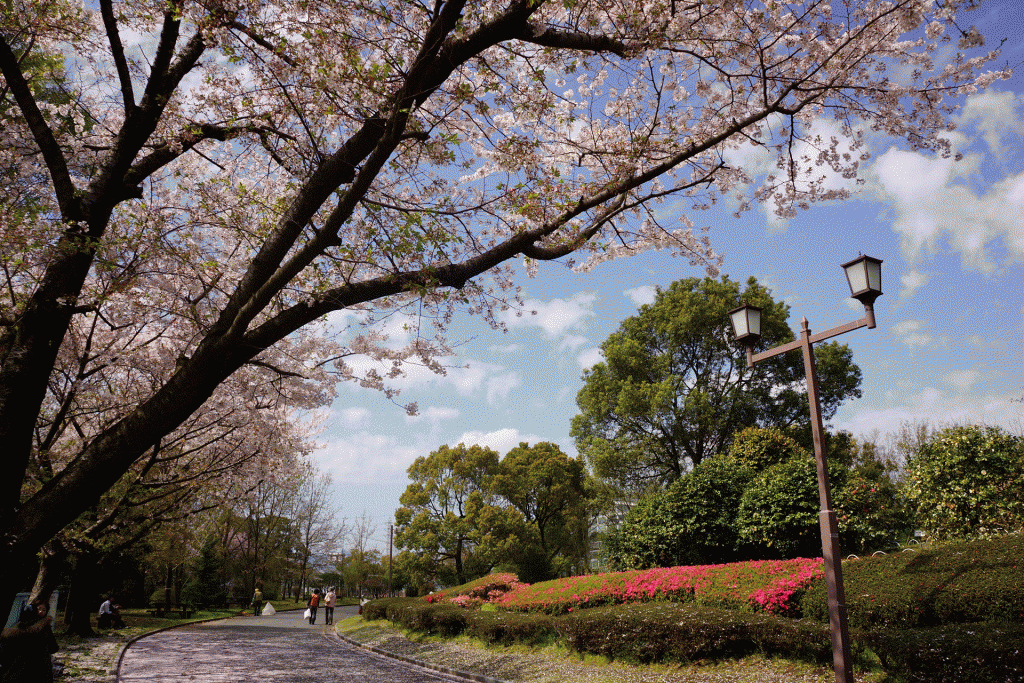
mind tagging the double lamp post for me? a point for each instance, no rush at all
(864, 275)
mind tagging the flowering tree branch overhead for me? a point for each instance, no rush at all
(208, 179)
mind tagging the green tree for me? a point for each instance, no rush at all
(205, 587)
(674, 386)
(693, 522)
(778, 513)
(449, 516)
(549, 489)
(966, 481)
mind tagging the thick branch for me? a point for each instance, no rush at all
(117, 52)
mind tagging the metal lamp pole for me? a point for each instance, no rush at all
(864, 275)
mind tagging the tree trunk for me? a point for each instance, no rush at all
(82, 599)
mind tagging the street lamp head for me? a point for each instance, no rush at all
(746, 324)
(864, 274)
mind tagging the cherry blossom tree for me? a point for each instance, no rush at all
(216, 177)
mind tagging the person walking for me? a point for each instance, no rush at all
(329, 601)
(314, 601)
(257, 602)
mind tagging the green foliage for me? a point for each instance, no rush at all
(951, 583)
(871, 512)
(674, 386)
(205, 587)
(983, 653)
(450, 519)
(549, 489)
(693, 522)
(673, 632)
(779, 510)
(467, 512)
(761, 447)
(967, 481)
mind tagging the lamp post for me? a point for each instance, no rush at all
(864, 275)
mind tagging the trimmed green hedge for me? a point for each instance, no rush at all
(959, 582)
(674, 632)
(651, 632)
(979, 653)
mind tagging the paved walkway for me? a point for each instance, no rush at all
(277, 649)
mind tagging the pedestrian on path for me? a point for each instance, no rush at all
(314, 601)
(329, 601)
(257, 602)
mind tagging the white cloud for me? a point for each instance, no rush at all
(572, 342)
(910, 333)
(912, 281)
(555, 317)
(936, 200)
(506, 349)
(641, 295)
(434, 415)
(354, 418)
(940, 409)
(589, 358)
(364, 458)
(499, 387)
(501, 440)
(995, 116)
(962, 380)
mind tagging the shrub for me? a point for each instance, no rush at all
(954, 582)
(692, 522)
(761, 447)
(510, 628)
(416, 615)
(871, 514)
(770, 585)
(983, 653)
(668, 632)
(779, 510)
(478, 592)
(967, 481)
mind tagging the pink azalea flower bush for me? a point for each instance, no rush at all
(475, 593)
(768, 585)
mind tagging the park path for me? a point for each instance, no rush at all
(276, 649)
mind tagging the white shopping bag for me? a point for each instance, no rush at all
(307, 614)
(269, 610)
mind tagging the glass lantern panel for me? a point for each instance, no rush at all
(874, 274)
(858, 278)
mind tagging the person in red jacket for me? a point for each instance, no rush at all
(314, 602)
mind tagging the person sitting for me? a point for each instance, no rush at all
(110, 615)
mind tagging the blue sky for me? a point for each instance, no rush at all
(946, 349)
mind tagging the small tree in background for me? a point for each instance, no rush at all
(967, 481)
(205, 587)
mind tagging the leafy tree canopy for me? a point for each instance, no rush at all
(674, 386)
(449, 515)
(549, 489)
